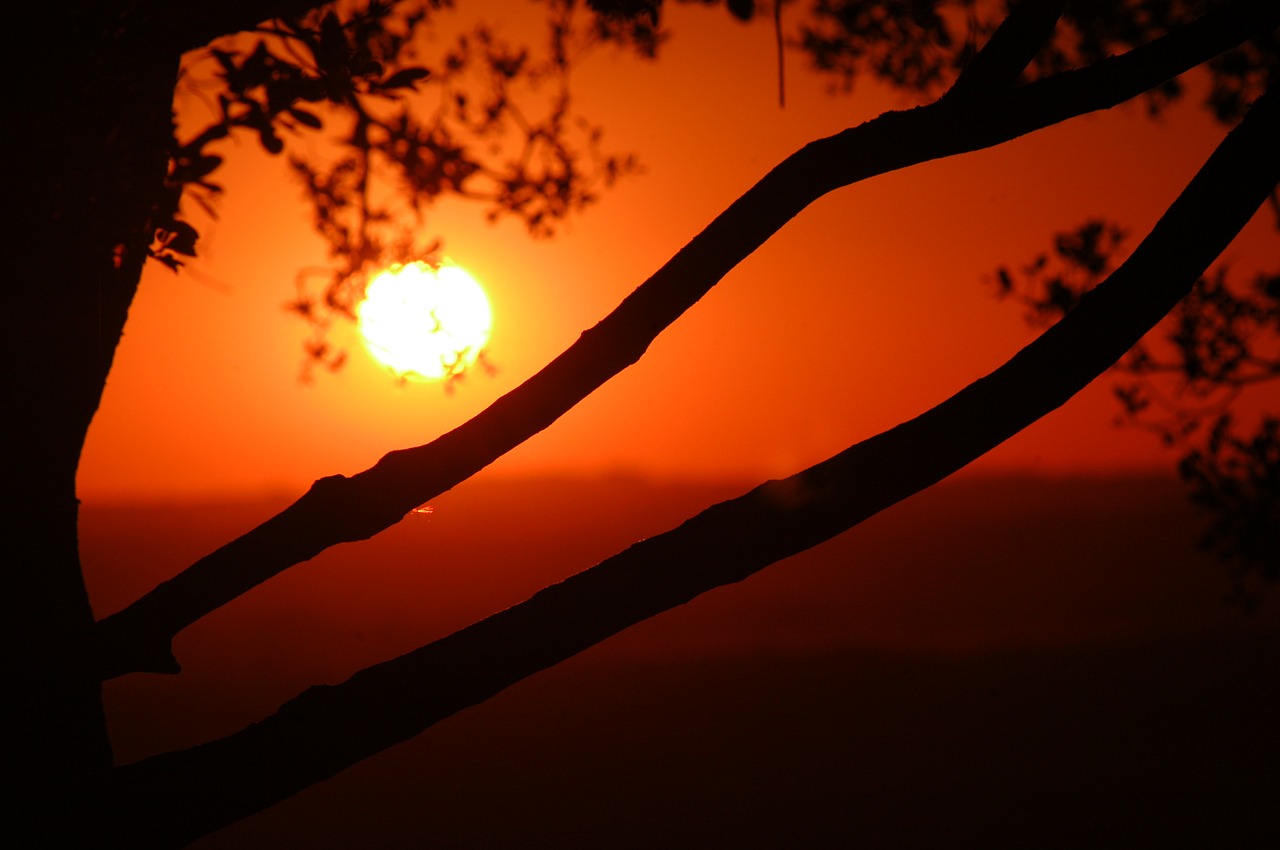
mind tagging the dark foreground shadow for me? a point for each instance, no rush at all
(1048, 666)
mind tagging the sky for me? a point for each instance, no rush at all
(873, 305)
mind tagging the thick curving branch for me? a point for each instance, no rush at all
(341, 509)
(327, 729)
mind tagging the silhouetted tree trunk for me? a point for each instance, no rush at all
(92, 137)
(88, 132)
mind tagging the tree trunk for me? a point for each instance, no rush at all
(92, 132)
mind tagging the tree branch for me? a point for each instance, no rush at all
(340, 509)
(327, 729)
(180, 27)
(1009, 50)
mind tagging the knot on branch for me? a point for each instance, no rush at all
(348, 509)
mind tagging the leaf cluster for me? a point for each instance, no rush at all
(488, 121)
(921, 46)
(1236, 480)
(276, 82)
(1052, 283)
(911, 44)
(1181, 381)
(399, 125)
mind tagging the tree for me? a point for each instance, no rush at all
(99, 164)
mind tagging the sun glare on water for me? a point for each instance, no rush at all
(424, 323)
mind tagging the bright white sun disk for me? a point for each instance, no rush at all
(425, 324)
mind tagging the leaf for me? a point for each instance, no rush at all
(405, 78)
(169, 260)
(304, 117)
(1006, 281)
(742, 9)
(226, 60)
(334, 49)
(1272, 287)
(627, 9)
(181, 238)
(270, 140)
(203, 166)
(256, 69)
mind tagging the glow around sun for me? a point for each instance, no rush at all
(424, 323)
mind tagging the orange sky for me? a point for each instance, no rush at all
(867, 309)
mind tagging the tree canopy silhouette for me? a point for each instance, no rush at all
(103, 174)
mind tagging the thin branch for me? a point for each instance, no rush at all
(778, 44)
(328, 728)
(342, 509)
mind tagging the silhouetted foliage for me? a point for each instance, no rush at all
(922, 45)
(1053, 284)
(1237, 481)
(482, 119)
(1180, 382)
(1219, 342)
(907, 44)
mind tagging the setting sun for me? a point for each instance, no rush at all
(424, 323)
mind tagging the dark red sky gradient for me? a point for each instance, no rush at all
(870, 307)
(1008, 661)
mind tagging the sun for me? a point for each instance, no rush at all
(425, 323)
